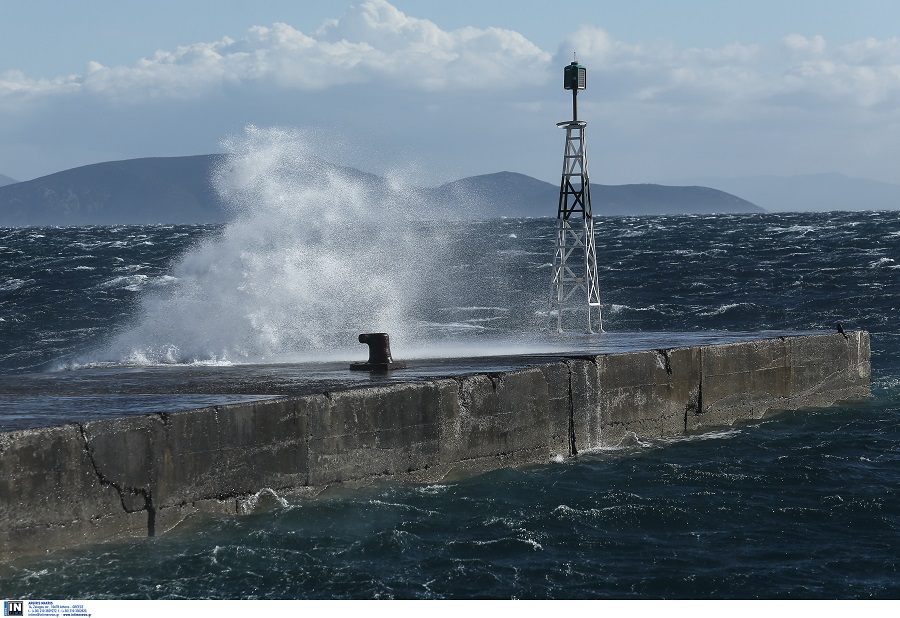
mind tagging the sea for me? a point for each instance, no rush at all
(801, 505)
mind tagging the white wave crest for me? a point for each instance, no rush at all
(315, 256)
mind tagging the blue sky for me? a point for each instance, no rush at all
(445, 89)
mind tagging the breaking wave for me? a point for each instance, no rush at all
(314, 256)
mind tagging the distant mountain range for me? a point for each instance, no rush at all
(6, 180)
(808, 192)
(507, 194)
(178, 190)
(155, 190)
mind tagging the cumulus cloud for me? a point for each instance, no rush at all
(863, 74)
(376, 69)
(15, 85)
(805, 71)
(372, 42)
(375, 43)
(799, 46)
(664, 75)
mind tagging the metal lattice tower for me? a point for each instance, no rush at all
(575, 281)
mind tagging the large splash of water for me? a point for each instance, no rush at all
(314, 256)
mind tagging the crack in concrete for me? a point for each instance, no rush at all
(463, 398)
(665, 363)
(700, 394)
(496, 380)
(573, 449)
(122, 490)
(695, 406)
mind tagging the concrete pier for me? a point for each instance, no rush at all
(142, 475)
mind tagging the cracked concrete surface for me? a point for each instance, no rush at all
(142, 475)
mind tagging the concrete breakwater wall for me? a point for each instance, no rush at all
(142, 475)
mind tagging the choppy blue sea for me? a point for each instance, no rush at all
(802, 505)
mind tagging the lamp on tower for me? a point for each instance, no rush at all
(575, 79)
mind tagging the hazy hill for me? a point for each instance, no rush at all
(809, 192)
(178, 190)
(516, 195)
(154, 190)
(6, 180)
(504, 194)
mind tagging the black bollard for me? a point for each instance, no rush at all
(379, 354)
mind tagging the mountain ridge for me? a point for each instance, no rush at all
(503, 192)
(173, 190)
(807, 192)
(131, 191)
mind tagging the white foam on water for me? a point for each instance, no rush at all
(631, 443)
(728, 307)
(249, 503)
(11, 285)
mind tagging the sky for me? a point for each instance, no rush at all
(440, 89)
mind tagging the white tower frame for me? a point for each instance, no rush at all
(575, 280)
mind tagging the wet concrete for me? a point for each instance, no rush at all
(58, 397)
(142, 474)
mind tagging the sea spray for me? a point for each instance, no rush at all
(314, 255)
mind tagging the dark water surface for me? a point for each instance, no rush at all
(803, 505)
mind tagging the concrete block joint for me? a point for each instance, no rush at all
(142, 475)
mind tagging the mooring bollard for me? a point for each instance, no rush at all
(379, 354)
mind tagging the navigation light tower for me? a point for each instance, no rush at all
(575, 282)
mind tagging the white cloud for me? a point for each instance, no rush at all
(802, 47)
(806, 71)
(16, 87)
(872, 52)
(720, 85)
(373, 42)
(864, 75)
(406, 79)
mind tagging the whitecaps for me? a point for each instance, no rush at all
(11, 285)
